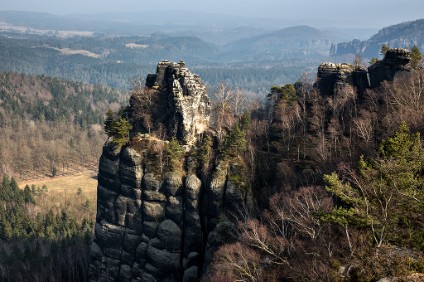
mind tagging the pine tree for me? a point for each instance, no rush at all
(109, 122)
(385, 196)
(416, 57)
(174, 154)
(384, 48)
(121, 131)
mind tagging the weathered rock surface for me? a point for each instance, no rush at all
(153, 224)
(333, 79)
(336, 79)
(394, 61)
(189, 106)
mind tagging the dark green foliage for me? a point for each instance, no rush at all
(118, 128)
(51, 99)
(384, 48)
(28, 195)
(204, 152)
(245, 121)
(286, 93)
(16, 223)
(109, 122)
(416, 57)
(120, 131)
(234, 145)
(174, 155)
(36, 246)
(386, 196)
(42, 259)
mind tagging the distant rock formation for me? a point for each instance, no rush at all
(403, 35)
(333, 79)
(155, 224)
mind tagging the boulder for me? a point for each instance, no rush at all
(193, 185)
(172, 184)
(169, 233)
(174, 209)
(125, 273)
(130, 174)
(191, 274)
(107, 234)
(153, 211)
(163, 260)
(150, 183)
(154, 196)
(149, 228)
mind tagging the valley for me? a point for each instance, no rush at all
(168, 145)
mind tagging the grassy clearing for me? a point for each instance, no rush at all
(77, 194)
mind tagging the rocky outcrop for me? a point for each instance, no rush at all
(155, 223)
(395, 61)
(188, 102)
(334, 79)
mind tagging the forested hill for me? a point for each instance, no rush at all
(115, 60)
(403, 35)
(47, 122)
(297, 42)
(41, 98)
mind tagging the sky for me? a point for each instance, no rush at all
(372, 13)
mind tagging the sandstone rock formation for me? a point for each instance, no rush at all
(334, 79)
(154, 223)
(394, 61)
(187, 99)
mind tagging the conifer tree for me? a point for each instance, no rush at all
(385, 197)
(109, 122)
(384, 48)
(416, 57)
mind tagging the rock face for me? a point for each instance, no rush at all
(394, 61)
(188, 100)
(334, 79)
(400, 35)
(159, 225)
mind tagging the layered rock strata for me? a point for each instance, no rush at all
(188, 100)
(154, 223)
(395, 61)
(334, 79)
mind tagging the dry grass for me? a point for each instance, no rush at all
(63, 193)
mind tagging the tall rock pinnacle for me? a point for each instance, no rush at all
(188, 101)
(160, 201)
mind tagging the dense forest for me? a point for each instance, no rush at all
(338, 184)
(116, 60)
(337, 179)
(37, 244)
(50, 126)
(336, 176)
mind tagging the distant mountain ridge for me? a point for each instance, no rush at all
(403, 35)
(293, 41)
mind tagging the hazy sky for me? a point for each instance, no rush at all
(375, 13)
